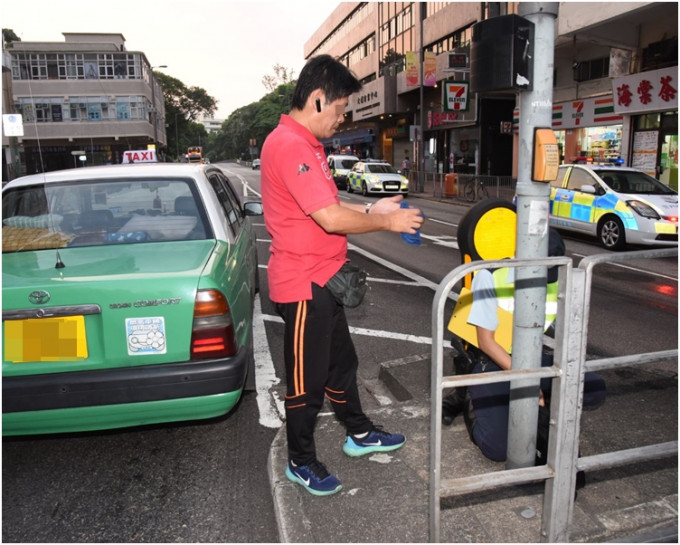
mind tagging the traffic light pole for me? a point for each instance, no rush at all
(535, 108)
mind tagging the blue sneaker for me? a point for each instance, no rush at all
(314, 477)
(377, 440)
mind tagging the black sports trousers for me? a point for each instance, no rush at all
(320, 362)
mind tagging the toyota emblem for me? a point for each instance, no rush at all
(39, 297)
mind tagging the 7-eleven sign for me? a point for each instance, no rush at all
(457, 96)
(577, 112)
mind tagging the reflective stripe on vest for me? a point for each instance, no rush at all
(505, 294)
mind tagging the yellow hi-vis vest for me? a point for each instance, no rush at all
(505, 294)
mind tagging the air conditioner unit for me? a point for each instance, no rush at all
(663, 50)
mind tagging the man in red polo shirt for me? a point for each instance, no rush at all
(309, 226)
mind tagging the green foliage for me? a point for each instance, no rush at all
(183, 106)
(252, 122)
(282, 75)
(8, 36)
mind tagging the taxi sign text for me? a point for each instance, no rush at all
(139, 156)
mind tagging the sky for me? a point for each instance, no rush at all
(223, 46)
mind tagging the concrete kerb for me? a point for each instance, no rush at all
(290, 519)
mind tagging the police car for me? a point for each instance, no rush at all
(340, 166)
(617, 205)
(376, 177)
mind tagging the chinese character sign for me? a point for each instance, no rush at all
(411, 68)
(656, 90)
(430, 75)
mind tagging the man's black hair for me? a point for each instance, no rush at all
(328, 74)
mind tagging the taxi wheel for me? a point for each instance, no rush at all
(349, 187)
(611, 234)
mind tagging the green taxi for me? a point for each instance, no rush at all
(127, 297)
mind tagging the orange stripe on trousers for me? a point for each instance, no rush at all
(299, 348)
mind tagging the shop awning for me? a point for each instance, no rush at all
(350, 137)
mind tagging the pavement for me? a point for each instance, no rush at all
(385, 496)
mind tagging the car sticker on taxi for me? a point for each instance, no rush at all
(145, 336)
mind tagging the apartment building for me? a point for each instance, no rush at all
(615, 85)
(83, 101)
(212, 125)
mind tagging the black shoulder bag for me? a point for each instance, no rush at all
(348, 285)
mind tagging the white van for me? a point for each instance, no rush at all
(340, 166)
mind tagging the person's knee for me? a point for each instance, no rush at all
(594, 391)
(493, 446)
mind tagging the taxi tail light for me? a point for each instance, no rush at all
(212, 335)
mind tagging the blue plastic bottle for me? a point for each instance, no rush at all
(413, 240)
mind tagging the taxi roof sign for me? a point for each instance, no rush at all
(140, 156)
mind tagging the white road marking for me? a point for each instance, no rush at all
(368, 332)
(651, 273)
(270, 406)
(441, 240)
(443, 222)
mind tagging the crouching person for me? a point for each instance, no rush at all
(486, 406)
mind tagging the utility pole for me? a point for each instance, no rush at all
(421, 139)
(535, 108)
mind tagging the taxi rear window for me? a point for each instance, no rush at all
(101, 212)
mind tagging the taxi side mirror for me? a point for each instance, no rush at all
(253, 208)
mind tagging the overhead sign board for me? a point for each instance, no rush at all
(653, 91)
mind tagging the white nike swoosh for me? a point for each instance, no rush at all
(306, 481)
(378, 444)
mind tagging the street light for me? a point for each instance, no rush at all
(176, 138)
(154, 110)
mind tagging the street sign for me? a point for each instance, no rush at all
(12, 125)
(78, 152)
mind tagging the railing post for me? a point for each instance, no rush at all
(565, 409)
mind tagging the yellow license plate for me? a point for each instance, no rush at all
(45, 339)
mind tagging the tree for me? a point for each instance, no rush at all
(281, 76)
(252, 123)
(8, 36)
(192, 101)
(183, 107)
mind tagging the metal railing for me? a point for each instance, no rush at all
(465, 187)
(567, 372)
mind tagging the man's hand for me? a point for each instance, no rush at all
(402, 220)
(385, 215)
(405, 220)
(386, 205)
